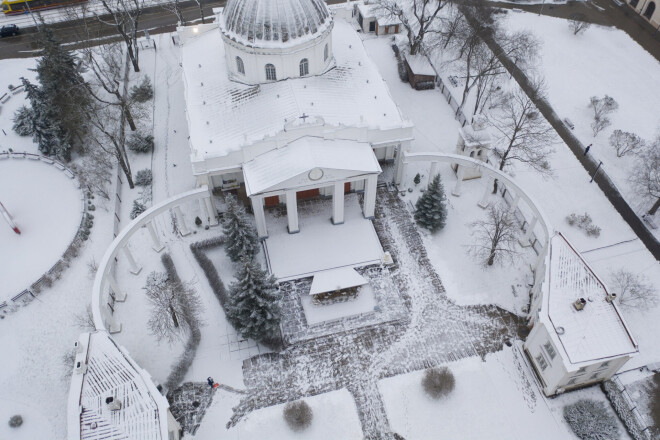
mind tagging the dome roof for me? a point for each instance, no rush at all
(274, 22)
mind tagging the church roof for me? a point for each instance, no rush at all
(290, 166)
(224, 116)
(274, 23)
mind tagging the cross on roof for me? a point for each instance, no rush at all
(304, 117)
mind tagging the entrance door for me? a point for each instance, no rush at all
(347, 187)
(307, 194)
(272, 201)
(650, 9)
(372, 26)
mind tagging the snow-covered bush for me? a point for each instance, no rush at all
(144, 92)
(143, 177)
(198, 221)
(23, 121)
(577, 24)
(141, 143)
(655, 402)
(417, 179)
(438, 382)
(585, 223)
(298, 415)
(590, 420)
(15, 421)
(209, 268)
(431, 209)
(138, 208)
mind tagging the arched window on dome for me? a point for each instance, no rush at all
(325, 53)
(271, 75)
(240, 66)
(304, 67)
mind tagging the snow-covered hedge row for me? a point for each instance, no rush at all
(635, 426)
(209, 269)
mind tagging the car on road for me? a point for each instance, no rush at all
(8, 30)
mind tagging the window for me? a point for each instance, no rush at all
(550, 349)
(325, 53)
(594, 376)
(540, 360)
(572, 381)
(479, 153)
(581, 370)
(239, 66)
(471, 153)
(271, 75)
(304, 67)
(604, 365)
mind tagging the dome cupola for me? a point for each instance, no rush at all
(270, 40)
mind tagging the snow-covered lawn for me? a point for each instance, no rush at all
(47, 207)
(495, 399)
(12, 71)
(334, 417)
(600, 61)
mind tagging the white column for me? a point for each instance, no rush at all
(292, 211)
(514, 202)
(135, 268)
(401, 171)
(459, 182)
(110, 321)
(120, 296)
(338, 203)
(211, 210)
(483, 203)
(259, 216)
(525, 241)
(370, 196)
(541, 256)
(180, 221)
(157, 245)
(433, 171)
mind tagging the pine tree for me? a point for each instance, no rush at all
(240, 236)
(431, 209)
(253, 305)
(59, 103)
(23, 121)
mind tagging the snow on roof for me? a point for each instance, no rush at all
(596, 332)
(272, 170)
(336, 279)
(420, 65)
(224, 115)
(473, 137)
(111, 373)
(274, 23)
(371, 11)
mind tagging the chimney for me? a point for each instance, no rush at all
(610, 297)
(112, 404)
(580, 303)
(81, 367)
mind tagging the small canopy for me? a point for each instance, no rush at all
(336, 279)
(420, 65)
(290, 166)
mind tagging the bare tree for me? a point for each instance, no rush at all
(416, 16)
(175, 307)
(94, 171)
(124, 16)
(634, 290)
(200, 5)
(524, 134)
(174, 7)
(625, 142)
(495, 237)
(602, 107)
(645, 176)
(577, 24)
(85, 320)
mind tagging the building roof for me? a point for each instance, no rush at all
(420, 65)
(289, 166)
(107, 371)
(336, 279)
(274, 23)
(371, 11)
(224, 115)
(596, 332)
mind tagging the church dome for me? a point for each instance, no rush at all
(268, 23)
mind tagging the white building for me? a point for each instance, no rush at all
(579, 336)
(371, 19)
(113, 398)
(284, 103)
(474, 141)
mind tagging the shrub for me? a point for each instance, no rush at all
(138, 208)
(141, 143)
(209, 268)
(417, 179)
(23, 121)
(403, 71)
(438, 382)
(590, 420)
(144, 92)
(298, 415)
(143, 177)
(15, 421)
(198, 221)
(585, 223)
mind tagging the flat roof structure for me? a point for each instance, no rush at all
(336, 279)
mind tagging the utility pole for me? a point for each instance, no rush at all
(596, 172)
(27, 4)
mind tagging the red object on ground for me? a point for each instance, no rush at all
(216, 385)
(18, 231)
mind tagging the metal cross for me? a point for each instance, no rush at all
(304, 117)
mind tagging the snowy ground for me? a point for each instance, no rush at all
(12, 71)
(578, 67)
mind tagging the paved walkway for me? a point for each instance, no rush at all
(436, 332)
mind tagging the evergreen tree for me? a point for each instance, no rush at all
(240, 236)
(431, 209)
(253, 305)
(59, 103)
(23, 121)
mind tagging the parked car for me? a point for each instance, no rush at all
(8, 30)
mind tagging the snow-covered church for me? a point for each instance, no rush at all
(284, 104)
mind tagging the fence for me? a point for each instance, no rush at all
(627, 410)
(54, 273)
